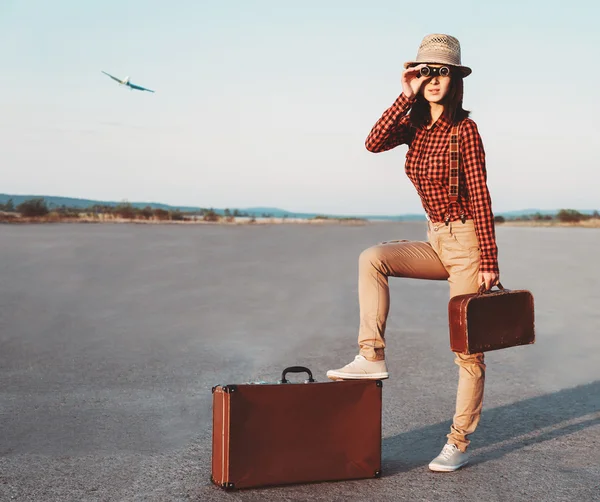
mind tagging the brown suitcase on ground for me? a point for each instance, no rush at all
(491, 320)
(283, 433)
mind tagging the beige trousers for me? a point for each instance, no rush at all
(451, 253)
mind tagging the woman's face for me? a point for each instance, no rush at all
(436, 88)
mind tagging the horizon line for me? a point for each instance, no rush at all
(265, 208)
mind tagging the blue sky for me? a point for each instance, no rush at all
(268, 103)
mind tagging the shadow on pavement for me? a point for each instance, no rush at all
(516, 423)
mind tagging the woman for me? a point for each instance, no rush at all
(461, 245)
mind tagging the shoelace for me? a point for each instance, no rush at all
(356, 360)
(447, 451)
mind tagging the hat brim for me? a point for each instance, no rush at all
(464, 70)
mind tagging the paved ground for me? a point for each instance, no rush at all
(111, 337)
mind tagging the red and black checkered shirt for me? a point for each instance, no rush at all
(428, 164)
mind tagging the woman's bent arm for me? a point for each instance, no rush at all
(393, 128)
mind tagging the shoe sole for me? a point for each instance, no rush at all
(357, 376)
(447, 468)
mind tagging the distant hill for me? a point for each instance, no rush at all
(53, 201)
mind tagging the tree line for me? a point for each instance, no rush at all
(39, 208)
(564, 216)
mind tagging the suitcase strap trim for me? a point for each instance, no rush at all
(225, 442)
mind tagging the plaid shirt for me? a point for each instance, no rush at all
(427, 166)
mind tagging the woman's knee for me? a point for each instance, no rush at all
(371, 257)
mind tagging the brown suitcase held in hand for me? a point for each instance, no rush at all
(283, 433)
(491, 320)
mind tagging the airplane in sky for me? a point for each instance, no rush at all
(126, 82)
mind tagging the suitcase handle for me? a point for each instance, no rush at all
(483, 291)
(296, 369)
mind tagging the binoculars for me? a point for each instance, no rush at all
(428, 71)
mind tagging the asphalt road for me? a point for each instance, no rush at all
(111, 337)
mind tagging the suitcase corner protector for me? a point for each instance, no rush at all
(377, 474)
(222, 484)
(379, 383)
(225, 388)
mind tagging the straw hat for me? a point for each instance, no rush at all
(438, 48)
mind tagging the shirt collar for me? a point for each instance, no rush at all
(442, 123)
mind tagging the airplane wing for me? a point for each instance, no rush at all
(114, 78)
(139, 87)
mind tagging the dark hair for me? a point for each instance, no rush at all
(420, 114)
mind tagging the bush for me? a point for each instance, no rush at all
(67, 212)
(33, 207)
(9, 207)
(211, 216)
(147, 212)
(569, 216)
(161, 214)
(499, 219)
(177, 215)
(125, 211)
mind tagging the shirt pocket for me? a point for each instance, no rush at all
(437, 168)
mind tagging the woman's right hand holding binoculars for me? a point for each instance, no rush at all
(411, 83)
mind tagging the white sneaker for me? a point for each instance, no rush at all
(450, 459)
(360, 368)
